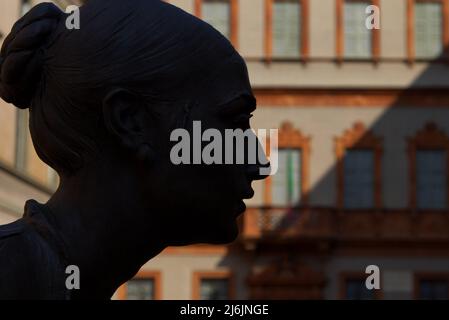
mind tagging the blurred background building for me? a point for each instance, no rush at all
(363, 118)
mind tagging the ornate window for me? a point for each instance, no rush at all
(359, 160)
(286, 183)
(429, 163)
(290, 185)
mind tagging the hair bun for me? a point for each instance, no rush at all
(22, 54)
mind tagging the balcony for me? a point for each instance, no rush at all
(270, 224)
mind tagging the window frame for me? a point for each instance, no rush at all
(304, 32)
(411, 48)
(291, 138)
(233, 19)
(155, 276)
(340, 36)
(429, 276)
(289, 203)
(212, 275)
(345, 276)
(358, 137)
(429, 138)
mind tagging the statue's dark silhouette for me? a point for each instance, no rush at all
(103, 101)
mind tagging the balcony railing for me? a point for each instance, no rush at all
(329, 223)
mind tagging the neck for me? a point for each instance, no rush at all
(105, 230)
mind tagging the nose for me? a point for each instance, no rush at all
(254, 171)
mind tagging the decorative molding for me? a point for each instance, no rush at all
(351, 233)
(352, 97)
(289, 137)
(428, 138)
(200, 275)
(200, 249)
(358, 137)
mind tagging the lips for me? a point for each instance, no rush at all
(249, 194)
(241, 206)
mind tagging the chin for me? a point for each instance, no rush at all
(219, 232)
(218, 236)
(225, 236)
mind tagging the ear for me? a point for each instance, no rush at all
(123, 114)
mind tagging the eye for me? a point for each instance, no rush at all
(242, 120)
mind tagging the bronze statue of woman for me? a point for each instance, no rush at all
(103, 101)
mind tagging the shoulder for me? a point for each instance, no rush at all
(29, 268)
(10, 234)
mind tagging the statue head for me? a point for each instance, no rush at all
(105, 99)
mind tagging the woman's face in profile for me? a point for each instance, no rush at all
(183, 58)
(201, 202)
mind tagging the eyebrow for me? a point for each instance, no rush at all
(249, 104)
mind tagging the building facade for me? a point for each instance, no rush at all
(363, 163)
